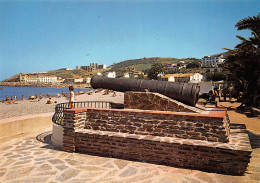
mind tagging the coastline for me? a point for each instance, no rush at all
(60, 85)
(31, 107)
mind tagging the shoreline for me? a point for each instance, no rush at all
(30, 107)
(63, 85)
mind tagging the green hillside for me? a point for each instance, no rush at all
(145, 63)
(141, 64)
(72, 73)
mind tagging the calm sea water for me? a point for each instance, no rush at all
(28, 91)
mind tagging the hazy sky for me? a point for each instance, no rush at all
(42, 35)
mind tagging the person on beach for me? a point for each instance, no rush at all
(71, 99)
(50, 101)
(216, 93)
(22, 97)
(40, 96)
(114, 94)
(7, 99)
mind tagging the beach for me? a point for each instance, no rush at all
(29, 107)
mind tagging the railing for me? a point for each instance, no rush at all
(58, 116)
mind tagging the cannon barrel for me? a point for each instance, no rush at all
(187, 93)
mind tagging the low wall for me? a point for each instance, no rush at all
(229, 158)
(155, 101)
(160, 123)
(12, 127)
(163, 150)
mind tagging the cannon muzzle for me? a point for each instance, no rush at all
(187, 93)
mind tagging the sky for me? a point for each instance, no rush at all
(42, 35)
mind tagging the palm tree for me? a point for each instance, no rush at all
(243, 61)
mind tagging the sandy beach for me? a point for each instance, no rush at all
(28, 107)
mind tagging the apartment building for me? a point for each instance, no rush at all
(35, 78)
(213, 60)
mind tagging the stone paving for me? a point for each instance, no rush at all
(35, 159)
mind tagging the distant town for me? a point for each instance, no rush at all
(181, 71)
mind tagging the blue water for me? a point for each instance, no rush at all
(28, 91)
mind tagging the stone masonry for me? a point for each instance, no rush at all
(155, 101)
(159, 123)
(103, 137)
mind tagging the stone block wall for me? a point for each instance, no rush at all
(155, 101)
(159, 123)
(164, 150)
(229, 158)
(72, 121)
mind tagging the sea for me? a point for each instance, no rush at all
(28, 91)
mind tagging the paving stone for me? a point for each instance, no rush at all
(44, 167)
(192, 180)
(61, 167)
(128, 172)
(2, 174)
(8, 154)
(80, 180)
(121, 163)
(14, 174)
(228, 178)
(255, 176)
(8, 162)
(68, 174)
(15, 156)
(111, 173)
(2, 169)
(43, 158)
(139, 178)
(6, 148)
(48, 173)
(108, 165)
(72, 162)
(169, 179)
(47, 168)
(32, 180)
(91, 168)
(22, 162)
(204, 177)
(62, 155)
(86, 174)
(95, 161)
(38, 153)
(56, 161)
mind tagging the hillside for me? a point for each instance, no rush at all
(143, 64)
(73, 73)
(14, 78)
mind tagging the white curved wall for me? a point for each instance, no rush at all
(57, 135)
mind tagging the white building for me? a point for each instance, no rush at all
(110, 74)
(88, 80)
(213, 60)
(189, 77)
(73, 80)
(103, 66)
(31, 79)
(126, 75)
(37, 78)
(214, 69)
(47, 79)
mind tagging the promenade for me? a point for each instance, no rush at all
(32, 158)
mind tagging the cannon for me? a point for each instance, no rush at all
(187, 93)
